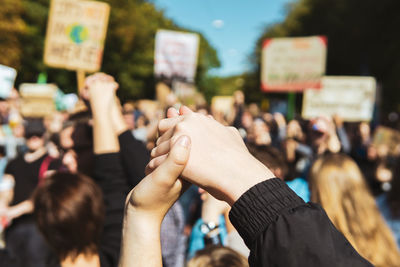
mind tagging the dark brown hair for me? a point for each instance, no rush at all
(271, 157)
(218, 256)
(69, 211)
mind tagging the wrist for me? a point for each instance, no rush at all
(254, 173)
(142, 221)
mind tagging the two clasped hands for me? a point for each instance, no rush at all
(192, 148)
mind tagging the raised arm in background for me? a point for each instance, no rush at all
(134, 154)
(342, 134)
(108, 171)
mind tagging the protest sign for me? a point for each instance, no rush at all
(223, 104)
(352, 98)
(183, 90)
(176, 55)
(37, 99)
(75, 36)
(293, 64)
(387, 138)
(7, 78)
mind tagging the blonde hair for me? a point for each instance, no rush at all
(338, 185)
(218, 256)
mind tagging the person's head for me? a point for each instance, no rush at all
(129, 117)
(338, 185)
(141, 121)
(4, 106)
(272, 158)
(259, 133)
(69, 212)
(34, 132)
(218, 256)
(70, 160)
(77, 135)
(294, 130)
(239, 97)
(319, 130)
(65, 134)
(247, 119)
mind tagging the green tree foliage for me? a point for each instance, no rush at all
(362, 39)
(129, 48)
(130, 44)
(11, 27)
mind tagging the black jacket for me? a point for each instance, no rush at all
(109, 175)
(134, 157)
(282, 230)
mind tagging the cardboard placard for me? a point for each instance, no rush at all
(352, 98)
(7, 79)
(75, 36)
(222, 104)
(176, 55)
(184, 90)
(293, 64)
(37, 99)
(387, 137)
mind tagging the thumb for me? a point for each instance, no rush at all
(172, 112)
(184, 110)
(176, 161)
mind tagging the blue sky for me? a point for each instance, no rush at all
(231, 26)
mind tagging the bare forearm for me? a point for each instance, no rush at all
(105, 140)
(141, 245)
(117, 118)
(20, 209)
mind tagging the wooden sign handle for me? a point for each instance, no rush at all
(80, 75)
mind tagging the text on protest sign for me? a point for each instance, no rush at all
(76, 31)
(352, 98)
(37, 99)
(7, 79)
(176, 55)
(293, 64)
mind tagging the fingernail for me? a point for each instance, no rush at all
(184, 141)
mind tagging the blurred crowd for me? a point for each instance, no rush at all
(325, 160)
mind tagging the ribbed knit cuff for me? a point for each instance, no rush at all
(257, 208)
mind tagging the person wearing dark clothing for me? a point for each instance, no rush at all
(26, 175)
(80, 217)
(134, 157)
(23, 240)
(110, 177)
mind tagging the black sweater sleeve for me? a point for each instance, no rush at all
(134, 156)
(109, 176)
(281, 230)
